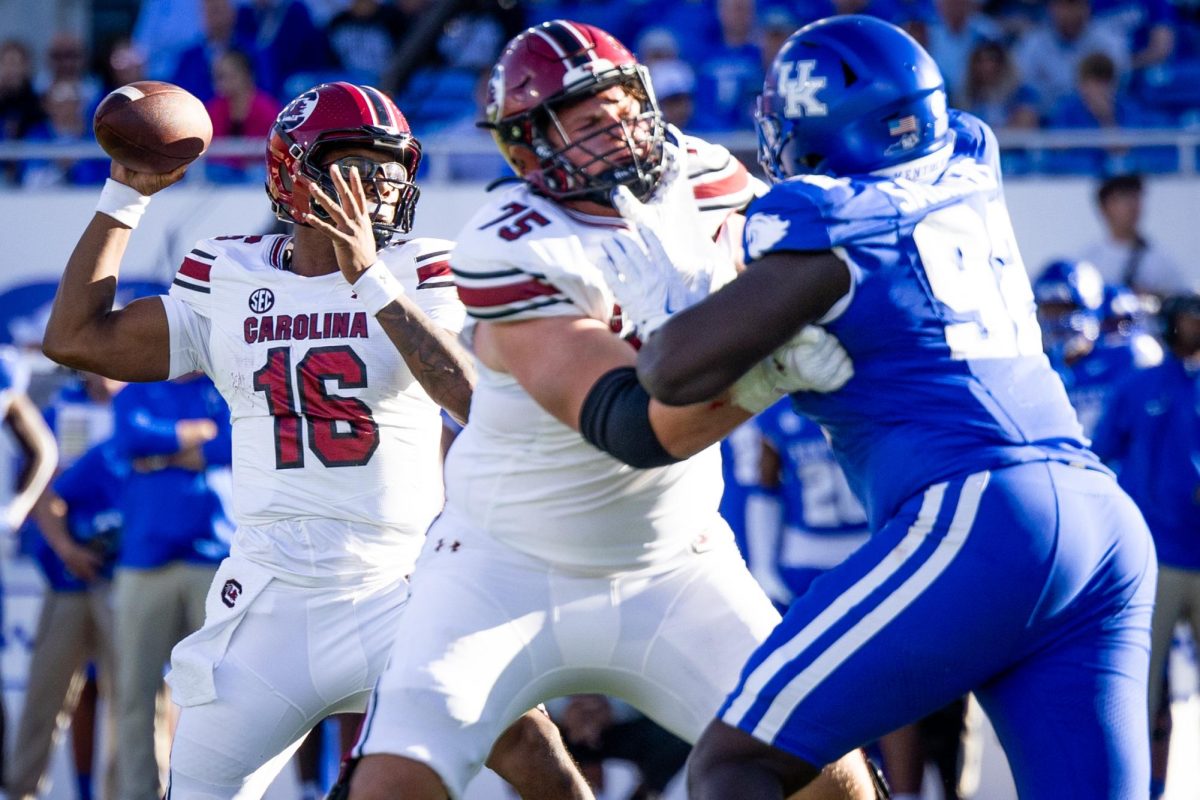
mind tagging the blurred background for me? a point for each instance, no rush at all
(1096, 104)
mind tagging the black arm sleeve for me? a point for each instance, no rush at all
(616, 419)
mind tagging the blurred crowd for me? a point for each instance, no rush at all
(1062, 64)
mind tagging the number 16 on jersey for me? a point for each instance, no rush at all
(341, 431)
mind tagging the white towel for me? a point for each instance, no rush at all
(237, 583)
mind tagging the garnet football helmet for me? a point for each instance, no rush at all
(558, 64)
(342, 115)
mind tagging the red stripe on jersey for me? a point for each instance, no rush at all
(504, 295)
(737, 182)
(194, 269)
(437, 269)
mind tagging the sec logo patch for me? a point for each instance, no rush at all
(261, 300)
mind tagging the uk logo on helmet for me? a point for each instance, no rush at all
(799, 89)
(298, 111)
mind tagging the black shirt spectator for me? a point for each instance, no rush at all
(20, 107)
(364, 37)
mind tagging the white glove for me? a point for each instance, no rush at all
(670, 263)
(812, 361)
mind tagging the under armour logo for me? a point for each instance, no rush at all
(799, 90)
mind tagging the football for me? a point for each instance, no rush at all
(152, 126)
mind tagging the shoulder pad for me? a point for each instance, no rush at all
(974, 139)
(719, 181)
(428, 258)
(795, 215)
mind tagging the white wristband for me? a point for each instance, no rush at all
(123, 203)
(377, 287)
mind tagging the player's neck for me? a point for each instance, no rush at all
(311, 253)
(588, 207)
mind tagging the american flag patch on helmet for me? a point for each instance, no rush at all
(906, 124)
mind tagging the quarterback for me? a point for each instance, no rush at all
(1005, 560)
(336, 439)
(569, 569)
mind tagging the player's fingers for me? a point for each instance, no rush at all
(334, 210)
(345, 194)
(357, 191)
(313, 221)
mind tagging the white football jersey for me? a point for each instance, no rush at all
(516, 471)
(328, 422)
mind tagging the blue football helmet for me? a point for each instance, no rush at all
(1070, 301)
(1123, 312)
(850, 95)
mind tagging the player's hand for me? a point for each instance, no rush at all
(812, 361)
(82, 562)
(671, 263)
(646, 285)
(349, 224)
(194, 432)
(146, 183)
(190, 458)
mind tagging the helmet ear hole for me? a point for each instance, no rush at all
(285, 180)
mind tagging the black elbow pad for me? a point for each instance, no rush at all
(616, 419)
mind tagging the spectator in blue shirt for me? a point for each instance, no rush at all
(1099, 102)
(957, 30)
(176, 437)
(992, 90)
(1151, 434)
(223, 29)
(283, 33)
(163, 30)
(81, 523)
(66, 123)
(730, 77)
(1049, 55)
(1147, 25)
(76, 521)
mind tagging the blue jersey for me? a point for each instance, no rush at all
(1090, 380)
(940, 322)
(739, 468)
(171, 514)
(814, 491)
(823, 522)
(1151, 433)
(91, 489)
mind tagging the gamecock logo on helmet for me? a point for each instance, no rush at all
(298, 111)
